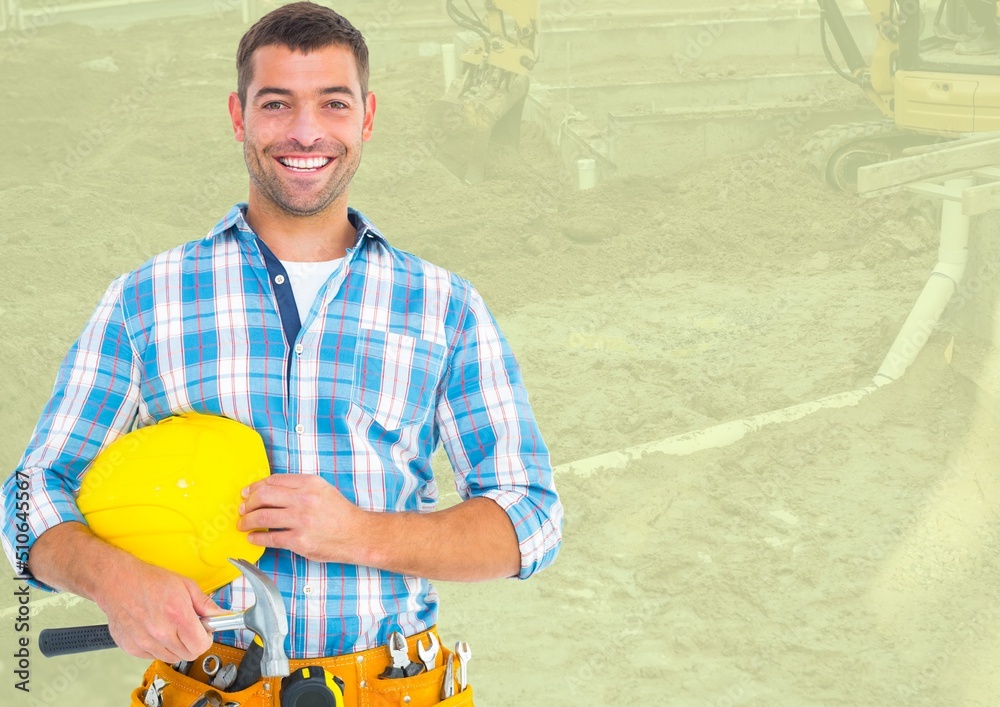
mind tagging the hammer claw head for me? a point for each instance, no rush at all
(267, 618)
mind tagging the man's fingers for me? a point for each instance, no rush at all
(154, 619)
(276, 481)
(195, 639)
(284, 539)
(144, 642)
(202, 603)
(169, 638)
(169, 651)
(127, 643)
(271, 497)
(268, 518)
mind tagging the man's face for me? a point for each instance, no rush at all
(303, 126)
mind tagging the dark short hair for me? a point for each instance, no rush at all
(303, 27)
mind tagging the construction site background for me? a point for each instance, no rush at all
(849, 557)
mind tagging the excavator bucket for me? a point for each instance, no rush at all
(470, 120)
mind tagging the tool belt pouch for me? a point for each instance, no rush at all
(362, 685)
(423, 690)
(182, 690)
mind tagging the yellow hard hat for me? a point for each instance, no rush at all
(169, 494)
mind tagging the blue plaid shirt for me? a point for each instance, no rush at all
(395, 356)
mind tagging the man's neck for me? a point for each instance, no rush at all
(325, 236)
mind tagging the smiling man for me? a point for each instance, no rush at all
(302, 139)
(352, 359)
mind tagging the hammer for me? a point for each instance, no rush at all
(266, 618)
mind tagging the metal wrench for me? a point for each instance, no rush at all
(429, 655)
(464, 654)
(211, 664)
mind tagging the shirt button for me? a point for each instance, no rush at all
(307, 589)
(279, 280)
(300, 429)
(299, 348)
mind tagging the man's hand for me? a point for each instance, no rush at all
(152, 613)
(306, 515)
(155, 613)
(471, 541)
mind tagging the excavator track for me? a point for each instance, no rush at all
(837, 152)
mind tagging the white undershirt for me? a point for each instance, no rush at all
(306, 280)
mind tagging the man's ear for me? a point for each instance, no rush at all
(236, 114)
(366, 128)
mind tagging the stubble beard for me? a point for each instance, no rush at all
(271, 185)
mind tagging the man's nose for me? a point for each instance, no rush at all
(306, 128)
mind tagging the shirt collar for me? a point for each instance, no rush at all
(235, 221)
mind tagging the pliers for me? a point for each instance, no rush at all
(402, 666)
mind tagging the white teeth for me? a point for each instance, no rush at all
(311, 163)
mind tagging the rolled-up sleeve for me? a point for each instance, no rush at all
(94, 401)
(492, 439)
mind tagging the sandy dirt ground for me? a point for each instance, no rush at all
(848, 558)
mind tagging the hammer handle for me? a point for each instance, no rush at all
(80, 639)
(64, 641)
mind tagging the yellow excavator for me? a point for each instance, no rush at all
(486, 100)
(927, 92)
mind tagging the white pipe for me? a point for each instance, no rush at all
(711, 437)
(586, 173)
(953, 254)
(448, 57)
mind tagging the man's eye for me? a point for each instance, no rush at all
(277, 104)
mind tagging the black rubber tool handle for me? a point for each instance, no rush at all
(79, 639)
(249, 671)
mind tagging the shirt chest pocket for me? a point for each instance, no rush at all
(396, 376)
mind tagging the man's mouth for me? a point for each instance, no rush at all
(304, 165)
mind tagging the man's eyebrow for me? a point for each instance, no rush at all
(344, 90)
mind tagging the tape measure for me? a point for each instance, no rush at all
(312, 687)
